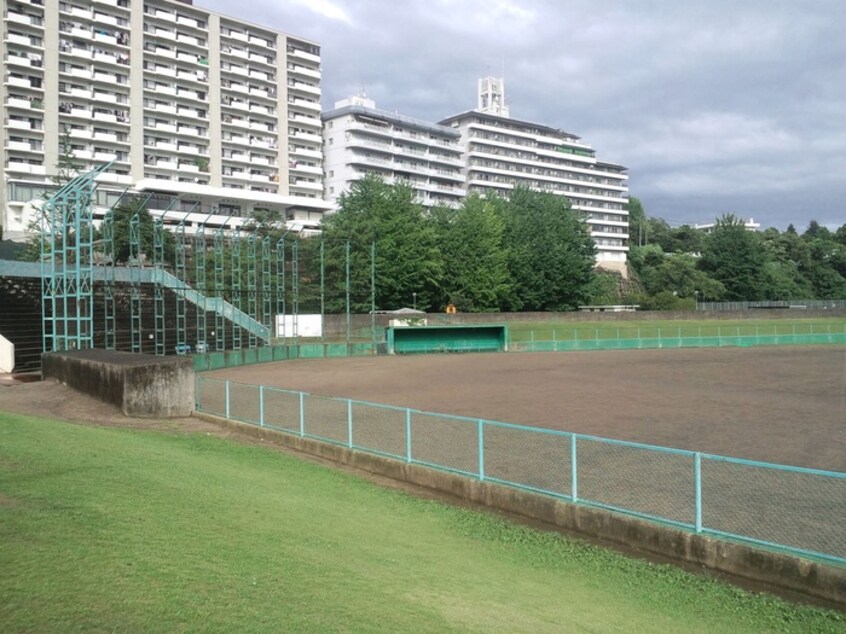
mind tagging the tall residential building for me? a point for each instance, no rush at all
(211, 113)
(360, 140)
(501, 152)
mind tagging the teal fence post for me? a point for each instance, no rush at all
(481, 427)
(198, 401)
(227, 399)
(261, 405)
(697, 479)
(574, 479)
(408, 435)
(302, 414)
(349, 423)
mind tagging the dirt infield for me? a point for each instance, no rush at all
(780, 404)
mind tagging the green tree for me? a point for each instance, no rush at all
(552, 254)
(637, 221)
(475, 259)
(408, 260)
(736, 258)
(121, 233)
(678, 275)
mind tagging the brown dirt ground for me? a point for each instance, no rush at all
(781, 404)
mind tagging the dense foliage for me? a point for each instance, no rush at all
(678, 265)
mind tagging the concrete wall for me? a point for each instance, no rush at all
(775, 570)
(141, 385)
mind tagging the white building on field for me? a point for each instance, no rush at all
(359, 140)
(501, 152)
(207, 113)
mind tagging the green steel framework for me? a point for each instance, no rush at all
(219, 281)
(252, 286)
(236, 285)
(181, 272)
(200, 282)
(159, 297)
(135, 282)
(267, 299)
(67, 254)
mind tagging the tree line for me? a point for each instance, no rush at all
(678, 265)
(528, 252)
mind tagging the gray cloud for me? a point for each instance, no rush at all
(714, 105)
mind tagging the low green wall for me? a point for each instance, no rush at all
(235, 358)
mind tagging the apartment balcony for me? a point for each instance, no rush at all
(107, 78)
(23, 60)
(192, 131)
(169, 165)
(14, 38)
(103, 38)
(259, 142)
(190, 58)
(304, 136)
(25, 168)
(78, 51)
(262, 178)
(234, 155)
(81, 113)
(105, 116)
(166, 146)
(165, 127)
(260, 127)
(82, 73)
(79, 31)
(305, 169)
(105, 156)
(262, 160)
(79, 12)
(21, 82)
(301, 119)
(189, 167)
(261, 59)
(80, 133)
(105, 97)
(107, 137)
(242, 71)
(108, 3)
(162, 108)
(295, 53)
(304, 72)
(119, 179)
(21, 18)
(261, 76)
(161, 89)
(237, 104)
(105, 18)
(22, 146)
(165, 71)
(192, 113)
(260, 41)
(83, 154)
(188, 39)
(199, 76)
(186, 21)
(305, 104)
(306, 88)
(263, 110)
(241, 88)
(240, 53)
(307, 185)
(306, 152)
(16, 102)
(238, 139)
(162, 15)
(238, 35)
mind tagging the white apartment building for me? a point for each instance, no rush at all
(216, 115)
(358, 140)
(501, 152)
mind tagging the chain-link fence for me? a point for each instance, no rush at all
(790, 508)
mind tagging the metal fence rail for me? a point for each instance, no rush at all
(794, 509)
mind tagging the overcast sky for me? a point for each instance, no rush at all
(714, 105)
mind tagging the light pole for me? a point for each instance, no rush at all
(696, 300)
(414, 300)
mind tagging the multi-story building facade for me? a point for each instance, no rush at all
(360, 139)
(207, 111)
(501, 152)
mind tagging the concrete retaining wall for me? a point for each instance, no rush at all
(141, 385)
(776, 570)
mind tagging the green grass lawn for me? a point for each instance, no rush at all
(646, 329)
(137, 531)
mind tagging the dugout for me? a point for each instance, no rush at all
(427, 339)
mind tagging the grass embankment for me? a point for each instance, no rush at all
(649, 329)
(116, 530)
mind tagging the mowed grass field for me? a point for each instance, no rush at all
(105, 529)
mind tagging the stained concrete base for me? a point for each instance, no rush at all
(814, 579)
(141, 385)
